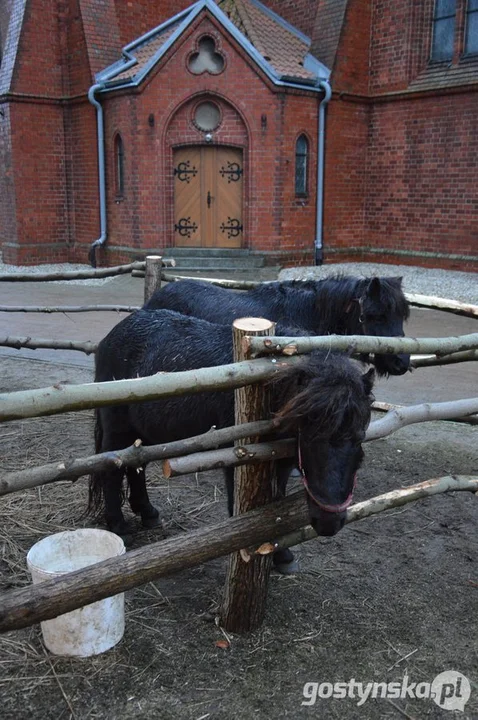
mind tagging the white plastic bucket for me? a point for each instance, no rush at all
(91, 629)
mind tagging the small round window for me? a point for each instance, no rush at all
(207, 116)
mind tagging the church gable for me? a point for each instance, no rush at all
(278, 49)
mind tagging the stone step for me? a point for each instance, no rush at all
(216, 267)
(201, 262)
(177, 252)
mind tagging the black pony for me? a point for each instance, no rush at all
(324, 401)
(337, 304)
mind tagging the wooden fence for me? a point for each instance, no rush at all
(254, 533)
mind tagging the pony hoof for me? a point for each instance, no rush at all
(290, 568)
(124, 531)
(127, 539)
(152, 521)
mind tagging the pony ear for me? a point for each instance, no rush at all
(368, 380)
(374, 288)
(395, 281)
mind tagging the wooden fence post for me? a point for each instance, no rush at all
(152, 275)
(247, 577)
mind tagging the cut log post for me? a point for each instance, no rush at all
(244, 603)
(152, 275)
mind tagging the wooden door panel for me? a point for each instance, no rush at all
(208, 188)
(208, 199)
(187, 197)
(229, 184)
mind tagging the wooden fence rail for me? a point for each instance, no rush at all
(73, 274)
(415, 299)
(68, 308)
(61, 398)
(191, 454)
(363, 344)
(35, 343)
(27, 606)
(136, 455)
(64, 398)
(89, 274)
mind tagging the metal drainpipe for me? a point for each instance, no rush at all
(325, 85)
(101, 172)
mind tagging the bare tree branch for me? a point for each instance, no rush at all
(228, 457)
(257, 529)
(363, 344)
(385, 407)
(33, 343)
(437, 303)
(136, 455)
(68, 308)
(387, 501)
(423, 301)
(433, 360)
(63, 398)
(73, 274)
(231, 284)
(426, 412)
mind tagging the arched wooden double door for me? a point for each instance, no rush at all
(208, 188)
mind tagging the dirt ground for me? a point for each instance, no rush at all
(391, 595)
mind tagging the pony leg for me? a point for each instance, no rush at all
(284, 560)
(229, 478)
(111, 434)
(112, 487)
(138, 498)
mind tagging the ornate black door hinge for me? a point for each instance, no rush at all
(233, 227)
(233, 172)
(184, 227)
(183, 171)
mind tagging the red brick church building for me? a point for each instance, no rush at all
(301, 131)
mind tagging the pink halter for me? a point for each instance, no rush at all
(324, 506)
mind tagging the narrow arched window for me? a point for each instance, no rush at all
(471, 37)
(119, 165)
(301, 165)
(443, 30)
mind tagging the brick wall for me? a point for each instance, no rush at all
(8, 226)
(345, 174)
(299, 13)
(274, 220)
(351, 68)
(137, 18)
(400, 167)
(421, 172)
(38, 69)
(41, 196)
